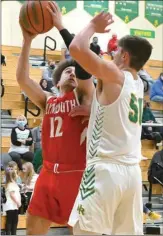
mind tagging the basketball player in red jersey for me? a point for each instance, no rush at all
(63, 142)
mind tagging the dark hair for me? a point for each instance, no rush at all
(161, 74)
(41, 81)
(138, 48)
(60, 68)
(95, 37)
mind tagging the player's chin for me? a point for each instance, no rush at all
(72, 84)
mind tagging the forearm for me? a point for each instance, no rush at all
(82, 40)
(23, 63)
(79, 71)
(67, 37)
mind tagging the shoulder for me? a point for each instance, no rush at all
(35, 176)
(11, 186)
(14, 129)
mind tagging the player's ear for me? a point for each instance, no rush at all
(125, 56)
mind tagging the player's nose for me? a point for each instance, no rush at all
(72, 75)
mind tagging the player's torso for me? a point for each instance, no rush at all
(114, 130)
(63, 137)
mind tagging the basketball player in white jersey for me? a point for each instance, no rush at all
(110, 196)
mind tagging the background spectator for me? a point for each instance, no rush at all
(36, 134)
(3, 63)
(21, 140)
(47, 73)
(49, 87)
(13, 202)
(156, 93)
(65, 54)
(112, 46)
(3, 60)
(144, 75)
(37, 161)
(95, 47)
(149, 132)
(29, 178)
(12, 165)
(156, 167)
(44, 85)
(150, 214)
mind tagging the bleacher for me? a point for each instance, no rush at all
(13, 100)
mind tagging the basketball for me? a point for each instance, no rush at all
(35, 18)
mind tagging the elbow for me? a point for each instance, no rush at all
(74, 49)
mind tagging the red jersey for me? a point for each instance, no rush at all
(63, 136)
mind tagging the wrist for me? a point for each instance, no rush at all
(60, 27)
(92, 26)
(27, 42)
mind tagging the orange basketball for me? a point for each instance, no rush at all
(35, 17)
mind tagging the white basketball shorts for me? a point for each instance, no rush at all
(110, 200)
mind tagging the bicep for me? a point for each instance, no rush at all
(34, 93)
(14, 138)
(86, 88)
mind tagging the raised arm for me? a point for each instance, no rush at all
(107, 71)
(29, 86)
(85, 83)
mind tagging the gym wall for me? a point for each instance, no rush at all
(75, 20)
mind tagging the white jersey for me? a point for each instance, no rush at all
(114, 131)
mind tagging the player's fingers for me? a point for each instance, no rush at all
(54, 6)
(76, 113)
(85, 119)
(50, 10)
(106, 30)
(110, 22)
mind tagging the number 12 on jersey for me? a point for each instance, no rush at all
(57, 121)
(136, 106)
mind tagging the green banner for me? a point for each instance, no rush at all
(127, 10)
(142, 33)
(66, 6)
(154, 12)
(21, 1)
(95, 7)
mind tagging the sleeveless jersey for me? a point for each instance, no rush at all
(114, 131)
(63, 137)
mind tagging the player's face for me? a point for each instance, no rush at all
(68, 78)
(118, 57)
(121, 58)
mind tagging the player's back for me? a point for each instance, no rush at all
(114, 130)
(63, 137)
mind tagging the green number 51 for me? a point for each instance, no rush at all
(135, 115)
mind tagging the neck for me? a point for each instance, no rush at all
(63, 91)
(133, 72)
(22, 128)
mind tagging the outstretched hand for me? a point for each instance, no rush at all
(54, 10)
(102, 21)
(82, 110)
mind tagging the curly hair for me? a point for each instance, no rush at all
(60, 68)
